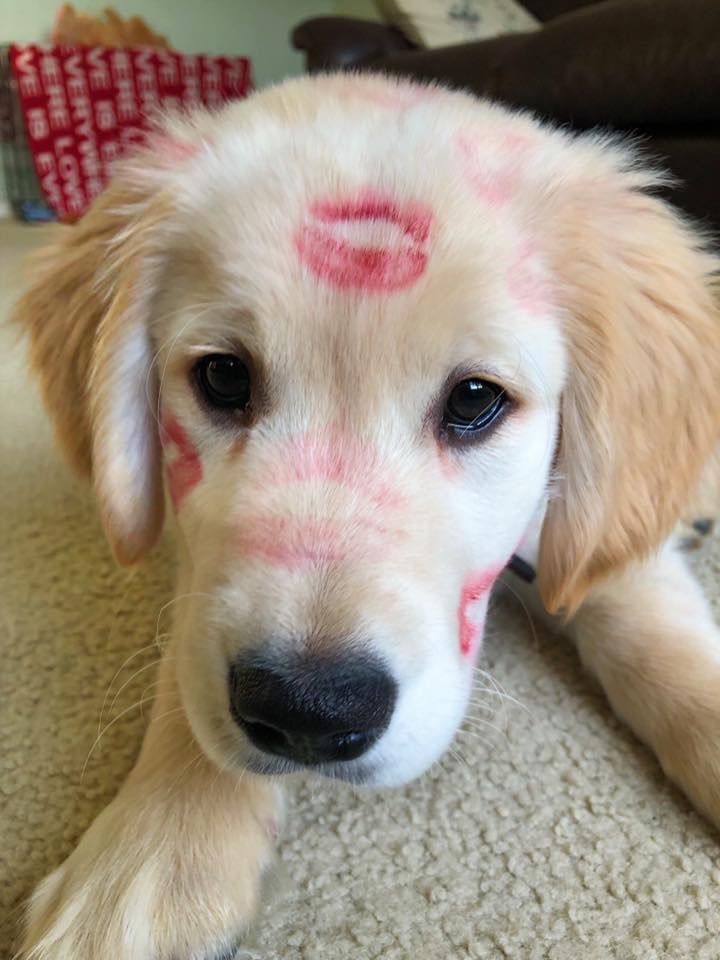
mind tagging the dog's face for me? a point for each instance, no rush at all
(343, 333)
(360, 381)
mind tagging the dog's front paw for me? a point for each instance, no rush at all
(175, 881)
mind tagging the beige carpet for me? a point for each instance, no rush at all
(552, 837)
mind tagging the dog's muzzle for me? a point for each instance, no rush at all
(311, 709)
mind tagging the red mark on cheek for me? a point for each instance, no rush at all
(527, 280)
(493, 164)
(184, 470)
(324, 247)
(473, 605)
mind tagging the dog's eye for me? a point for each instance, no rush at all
(224, 380)
(471, 407)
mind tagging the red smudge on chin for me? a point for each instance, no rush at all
(476, 588)
(346, 265)
(493, 163)
(184, 472)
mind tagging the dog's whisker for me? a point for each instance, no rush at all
(148, 666)
(485, 724)
(457, 757)
(492, 710)
(531, 623)
(498, 688)
(107, 727)
(168, 713)
(476, 737)
(149, 646)
(148, 688)
(173, 601)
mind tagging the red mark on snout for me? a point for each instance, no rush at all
(184, 470)
(334, 455)
(324, 247)
(473, 606)
(494, 163)
(297, 543)
(291, 543)
(527, 280)
(360, 522)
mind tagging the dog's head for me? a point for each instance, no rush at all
(364, 330)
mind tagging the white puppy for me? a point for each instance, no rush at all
(378, 338)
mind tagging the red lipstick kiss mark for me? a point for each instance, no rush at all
(184, 472)
(329, 456)
(297, 543)
(291, 543)
(527, 281)
(334, 456)
(324, 248)
(494, 164)
(473, 605)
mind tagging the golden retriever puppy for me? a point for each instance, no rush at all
(371, 339)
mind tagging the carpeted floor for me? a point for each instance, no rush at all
(552, 836)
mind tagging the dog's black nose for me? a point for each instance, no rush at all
(312, 709)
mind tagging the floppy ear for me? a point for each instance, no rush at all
(640, 414)
(86, 314)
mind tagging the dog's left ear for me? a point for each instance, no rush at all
(640, 415)
(86, 313)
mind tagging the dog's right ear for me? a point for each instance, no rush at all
(86, 314)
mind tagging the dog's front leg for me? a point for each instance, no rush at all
(650, 639)
(172, 868)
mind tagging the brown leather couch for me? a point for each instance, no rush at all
(647, 67)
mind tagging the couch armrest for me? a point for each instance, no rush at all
(343, 42)
(627, 63)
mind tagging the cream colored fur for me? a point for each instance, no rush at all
(610, 352)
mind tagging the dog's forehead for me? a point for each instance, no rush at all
(348, 222)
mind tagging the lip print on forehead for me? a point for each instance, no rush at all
(329, 242)
(493, 163)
